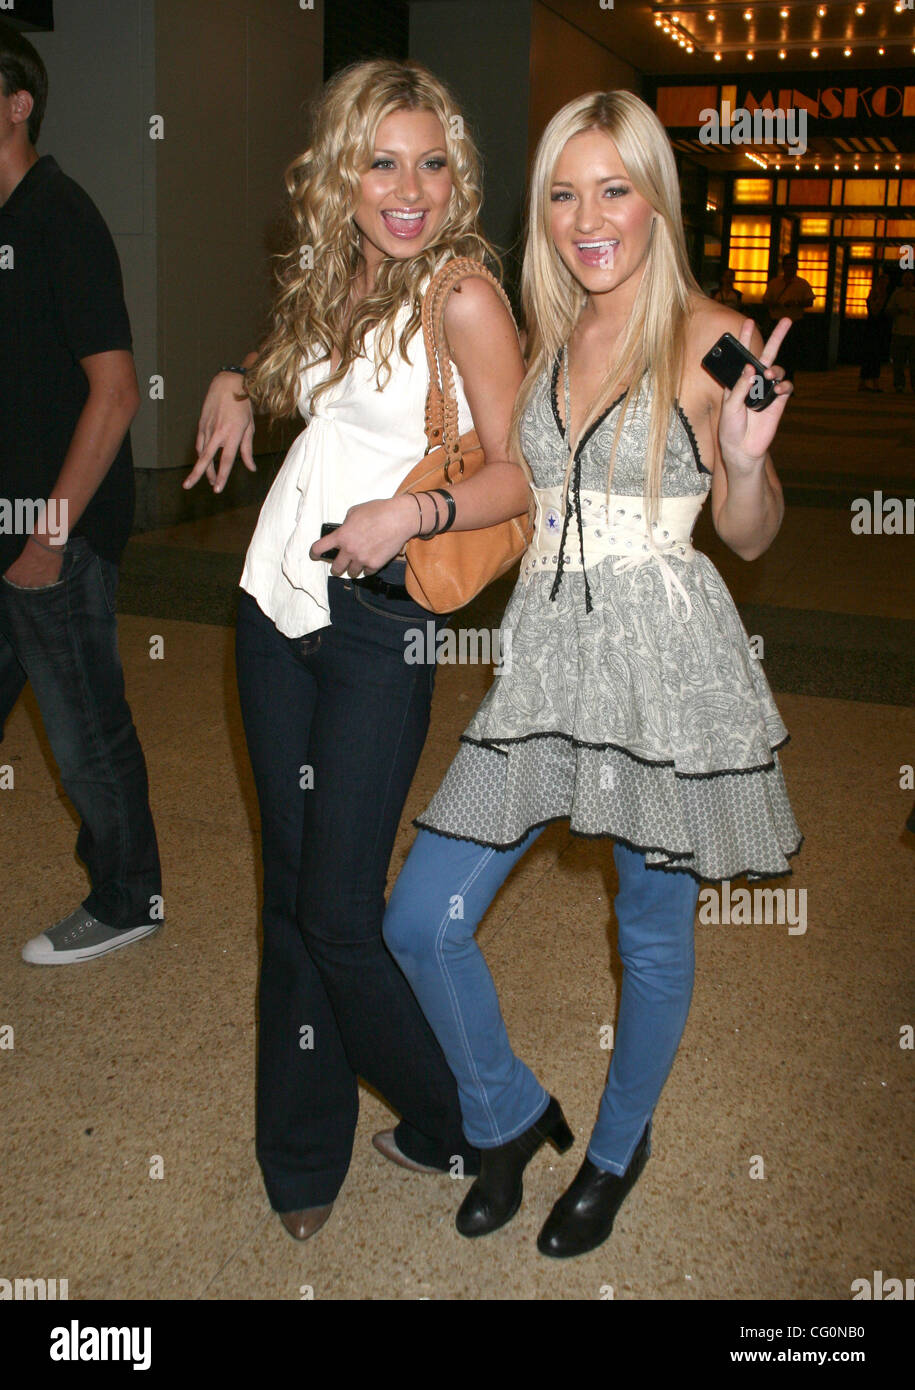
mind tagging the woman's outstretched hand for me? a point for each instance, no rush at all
(744, 434)
(227, 424)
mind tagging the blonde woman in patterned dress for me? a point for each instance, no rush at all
(632, 706)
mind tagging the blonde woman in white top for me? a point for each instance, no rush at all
(335, 717)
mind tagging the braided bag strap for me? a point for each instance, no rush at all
(441, 419)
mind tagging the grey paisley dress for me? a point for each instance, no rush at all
(614, 711)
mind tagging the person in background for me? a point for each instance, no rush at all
(69, 395)
(727, 292)
(901, 311)
(789, 296)
(876, 333)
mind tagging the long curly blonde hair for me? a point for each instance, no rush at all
(654, 339)
(309, 317)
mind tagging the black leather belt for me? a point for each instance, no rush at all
(381, 586)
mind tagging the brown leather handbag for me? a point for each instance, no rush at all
(445, 572)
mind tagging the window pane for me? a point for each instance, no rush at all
(857, 290)
(815, 226)
(749, 256)
(865, 192)
(858, 226)
(809, 192)
(813, 265)
(752, 190)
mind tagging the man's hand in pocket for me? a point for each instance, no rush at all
(36, 567)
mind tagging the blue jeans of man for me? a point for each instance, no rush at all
(335, 723)
(62, 638)
(439, 899)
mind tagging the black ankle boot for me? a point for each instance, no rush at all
(496, 1194)
(583, 1217)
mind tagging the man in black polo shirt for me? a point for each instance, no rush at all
(68, 392)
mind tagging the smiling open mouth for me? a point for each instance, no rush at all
(404, 222)
(598, 253)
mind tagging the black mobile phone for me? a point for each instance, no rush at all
(725, 362)
(326, 529)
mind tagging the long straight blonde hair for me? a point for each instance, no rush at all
(654, 339)
(310, 312)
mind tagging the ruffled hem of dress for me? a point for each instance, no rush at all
(499, 745)
(618, 839)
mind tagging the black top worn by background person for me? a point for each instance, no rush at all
(60, 301)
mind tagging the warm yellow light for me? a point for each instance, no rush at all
(816, 166)
(717, 57)
(847, 52)
(658, 23)
(750, 56)
(814, 53)
(710, 15)
(784, 13)
(881, 51)
(821, 11)
(859, 9)
(689, 48)
(782, 53)
(748, 14)
(836, 166)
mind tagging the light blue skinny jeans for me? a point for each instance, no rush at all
(440, 897)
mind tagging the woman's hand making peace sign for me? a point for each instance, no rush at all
(745, 434)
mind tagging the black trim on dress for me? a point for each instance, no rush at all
(493, 746)
(618, 839)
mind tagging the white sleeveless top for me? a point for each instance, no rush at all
(359, 445)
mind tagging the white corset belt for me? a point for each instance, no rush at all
(615, 528)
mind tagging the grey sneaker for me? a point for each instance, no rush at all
(80, 937)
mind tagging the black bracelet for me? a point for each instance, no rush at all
(435, 525)
(242, 371)
(452, 510)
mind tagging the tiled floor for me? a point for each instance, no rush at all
(792, 1050)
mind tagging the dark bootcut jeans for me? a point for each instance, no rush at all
(335, 724)
(63, 639)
